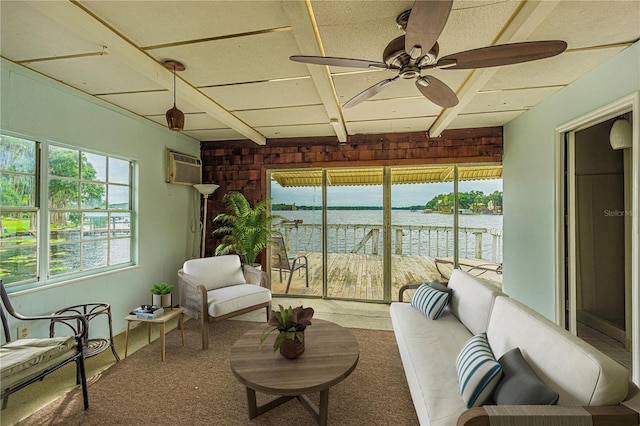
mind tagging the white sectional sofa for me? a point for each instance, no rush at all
(590, 386)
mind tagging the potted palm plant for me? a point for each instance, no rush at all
(246, 231)
(290, 323)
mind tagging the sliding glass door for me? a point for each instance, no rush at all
(355, 238)
(362, 233)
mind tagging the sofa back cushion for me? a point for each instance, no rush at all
(580, 374)
(215, 272)
(471, 300)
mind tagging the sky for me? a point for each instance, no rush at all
(401, 195)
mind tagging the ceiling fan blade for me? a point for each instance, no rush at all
(338, 62)
(437, 91)
(367, 93)
(503, 54)
(426, 22)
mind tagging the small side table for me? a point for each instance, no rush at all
(92, 347)
(162, 320)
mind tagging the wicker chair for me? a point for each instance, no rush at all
(220, 287)
(26, 361)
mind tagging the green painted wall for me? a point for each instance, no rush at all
(529, 176)
(36, 107)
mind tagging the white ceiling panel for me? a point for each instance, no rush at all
(27, 33)
(508, 100)
(473, 24)
(285, 116)
(358, 29)
(96, 74)
(390, 126)
(240, 84)
(307, 131)
(150, 23)
(560, 70)
(253, 58)
(268, 94)
(214, 135)
(150, 103)
(392, 108)
(592, 23)
(470, 121)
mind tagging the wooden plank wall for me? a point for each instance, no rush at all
(242, 165)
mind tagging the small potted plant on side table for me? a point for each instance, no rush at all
(290, 323)
(162, 295)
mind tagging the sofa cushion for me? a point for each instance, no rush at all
(428, 352)
(581, 374)
(519, 385)
(441, 287)
(471, 300)
(215, 272)
(478, 371)
(429, 301)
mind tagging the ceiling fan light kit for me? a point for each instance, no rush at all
(175, 117)
(418, 50)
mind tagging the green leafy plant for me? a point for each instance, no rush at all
(290, 322)
(162, 288)
(246, 231)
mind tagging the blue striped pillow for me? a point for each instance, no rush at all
(430, 301)
(478, 371)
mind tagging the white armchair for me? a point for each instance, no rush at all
(220, 287)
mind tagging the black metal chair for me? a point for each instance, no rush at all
(25, 361)
(286, 263)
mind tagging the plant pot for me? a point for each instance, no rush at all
(163, 300)
(291, 348)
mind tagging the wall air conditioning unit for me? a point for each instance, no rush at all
(182, 169)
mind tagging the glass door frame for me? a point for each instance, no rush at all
(386, 225)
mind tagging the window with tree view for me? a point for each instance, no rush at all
(18, 210)
(86, 203)
(89, 211)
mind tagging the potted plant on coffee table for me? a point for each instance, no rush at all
(290, 323)
(246, 230)
(161, 295)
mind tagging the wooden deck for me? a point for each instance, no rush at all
(360, 276)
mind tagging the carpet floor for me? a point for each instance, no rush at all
(197, 387)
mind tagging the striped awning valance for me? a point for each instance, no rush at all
(373, 176)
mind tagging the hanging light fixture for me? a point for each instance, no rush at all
(175, 117)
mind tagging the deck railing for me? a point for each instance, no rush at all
(412, 240)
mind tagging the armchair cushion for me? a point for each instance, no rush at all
(26, 358)
(215, 272)
(223, 301)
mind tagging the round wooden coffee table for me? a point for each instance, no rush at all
(331, 354)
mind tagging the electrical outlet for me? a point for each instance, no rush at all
(23, 332)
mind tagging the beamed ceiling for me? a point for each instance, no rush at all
(240, 84)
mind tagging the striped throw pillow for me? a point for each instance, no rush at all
(430, 301)
(478, 371)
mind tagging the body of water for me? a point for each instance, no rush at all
(429, 234)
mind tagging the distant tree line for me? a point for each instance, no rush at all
(475, 201)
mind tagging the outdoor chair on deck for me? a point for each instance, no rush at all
(26, 361)
(286, 263)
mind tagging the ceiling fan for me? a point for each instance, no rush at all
(418, 49)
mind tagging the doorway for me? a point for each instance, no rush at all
(599, 283)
